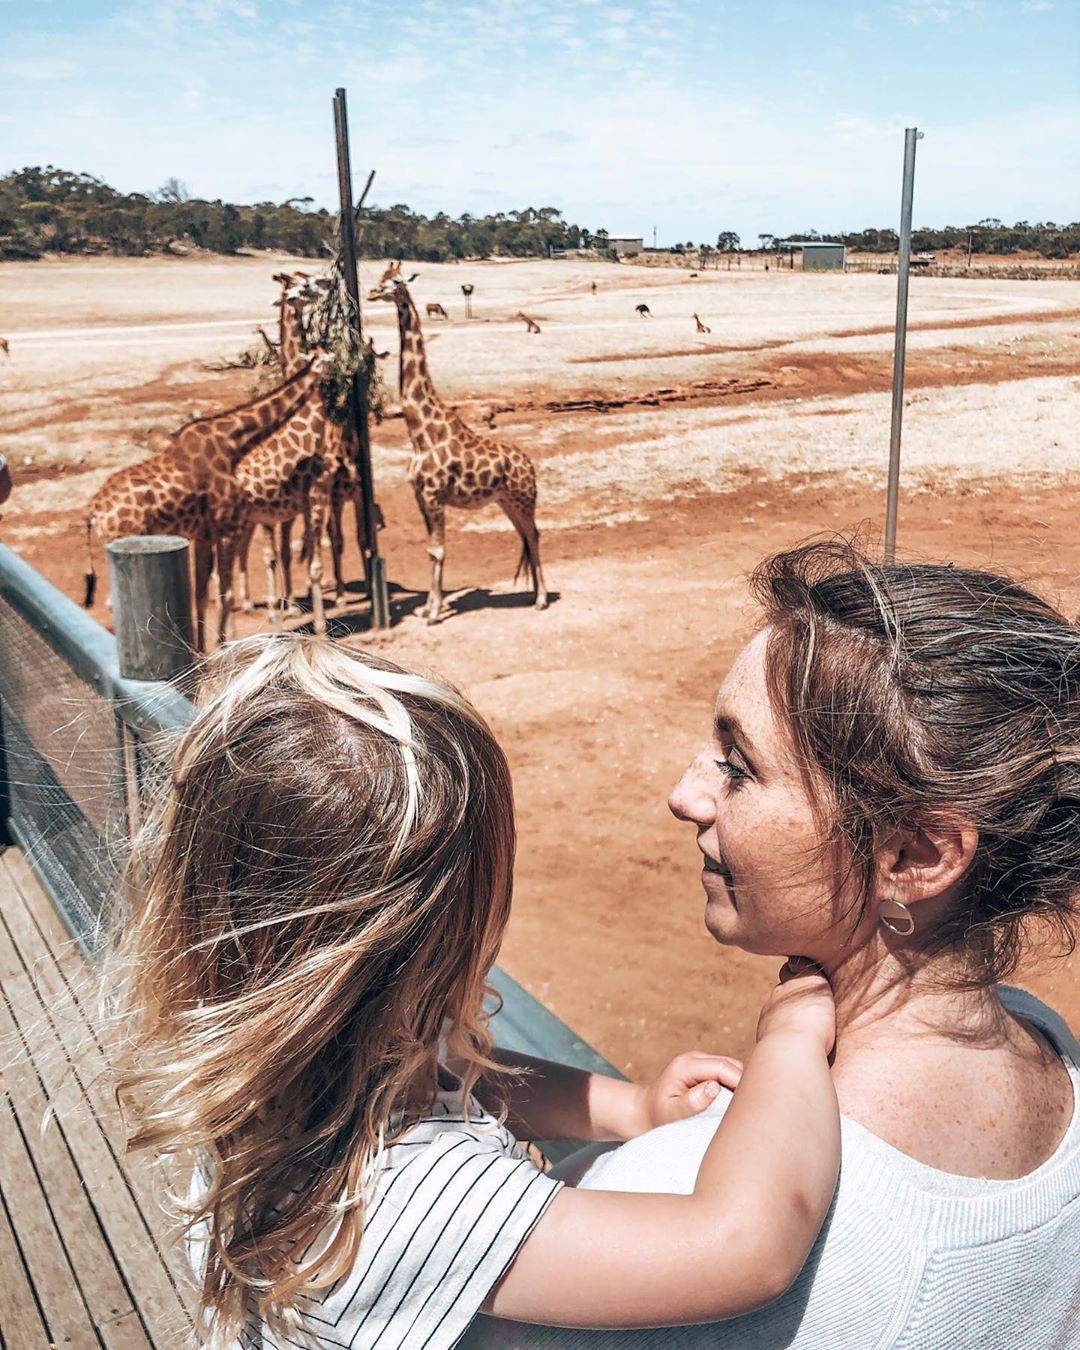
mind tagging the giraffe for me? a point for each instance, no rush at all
(262, 475)
(278, 474)
(702, 327)
(290, 306)
(294, 471)
(451, 464)
(531, 326)
(190, 488)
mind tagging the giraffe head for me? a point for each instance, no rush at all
(299, 292)
(386, 286)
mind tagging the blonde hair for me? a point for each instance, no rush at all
(316, 903)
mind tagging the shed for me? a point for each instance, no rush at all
(818, 255)
(626, 245)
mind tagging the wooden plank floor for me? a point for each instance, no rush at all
(82, 1262)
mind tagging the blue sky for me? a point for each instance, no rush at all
(693, 116)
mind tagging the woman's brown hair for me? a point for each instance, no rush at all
(919, 692)
(315, 906)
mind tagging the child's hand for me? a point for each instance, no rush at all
(689, 1084)
(802, 1003)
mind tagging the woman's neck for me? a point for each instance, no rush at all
(883, 998)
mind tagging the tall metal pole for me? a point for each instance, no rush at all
(911, 135)
(374, 569)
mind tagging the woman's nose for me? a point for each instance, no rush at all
(690, 798)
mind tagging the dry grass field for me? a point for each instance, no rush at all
(669, 462)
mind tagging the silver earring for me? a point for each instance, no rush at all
(896, 917)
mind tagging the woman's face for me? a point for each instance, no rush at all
(769, 888)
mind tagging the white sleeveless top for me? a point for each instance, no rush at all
(909, 1258)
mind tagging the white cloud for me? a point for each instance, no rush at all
(43, 69)
(938, 11)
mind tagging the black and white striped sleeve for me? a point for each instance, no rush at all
(451, 1207)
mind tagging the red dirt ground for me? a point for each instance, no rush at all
(607, 922)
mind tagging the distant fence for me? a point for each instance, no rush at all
(1004, 271)
(885, 263)
(81, 749)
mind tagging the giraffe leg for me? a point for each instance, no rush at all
(226, 549)
(290, 605)
(243, 547)
(203, 564)
(273, 599)
(523, 519)
(316, 518)
(435, 523)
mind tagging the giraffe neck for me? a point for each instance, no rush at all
(291, 336)
(233, 431)
(414, 378)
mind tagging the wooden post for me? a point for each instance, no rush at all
(151, 593)
(373, 563)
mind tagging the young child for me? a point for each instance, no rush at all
(313, 915)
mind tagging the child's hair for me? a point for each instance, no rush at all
(316, 902)
(922, 692)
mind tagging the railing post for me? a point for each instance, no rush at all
(151, 593)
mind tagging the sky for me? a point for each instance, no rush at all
(685, 116)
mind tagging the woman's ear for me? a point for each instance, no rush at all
(922, 862)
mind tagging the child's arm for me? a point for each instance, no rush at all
(555, 1101)
(608, 1260)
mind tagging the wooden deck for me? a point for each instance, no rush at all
(81, 1263)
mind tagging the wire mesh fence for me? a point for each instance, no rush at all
(80, 745)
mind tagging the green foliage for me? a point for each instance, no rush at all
(398, 232)
(330, 326)
(53, 210)
(1046, 239)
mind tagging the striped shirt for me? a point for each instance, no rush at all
(451, 1202)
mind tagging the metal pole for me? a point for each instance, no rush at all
(374, 571)
(911, 135)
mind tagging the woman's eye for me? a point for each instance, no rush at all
(731, 770)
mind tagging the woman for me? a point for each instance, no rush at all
(892, 789)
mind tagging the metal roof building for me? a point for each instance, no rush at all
(626, 245)
(818, 255)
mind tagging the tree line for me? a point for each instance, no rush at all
(51, 210)
(990, 235)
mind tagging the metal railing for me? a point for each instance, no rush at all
(81, 748)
